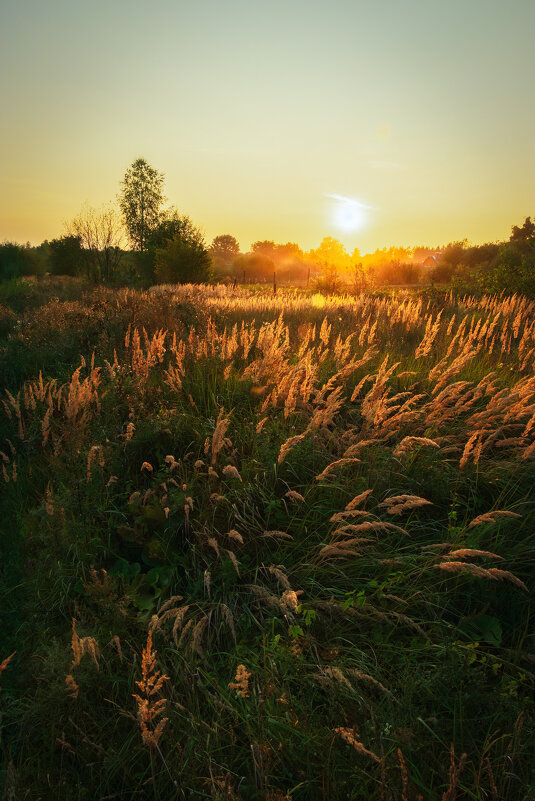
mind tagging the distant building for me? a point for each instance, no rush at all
(431, 260)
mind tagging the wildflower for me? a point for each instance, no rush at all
(147, 709)
(241, 682)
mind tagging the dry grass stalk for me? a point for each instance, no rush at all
(501, 575)
(491, 573)
(360, 676)
(292, 495)
(5, 663)
(234, 560)
(492, 517)
(260, 425)
(355, 449)
(464, 553)
(367, 526)
(407, 444)
(397, 504)
(404, 775)
(455, 771)
(241, 682)
(82, 646)
(350, 736)
(289, 600)
(463, 567)
(280, 576)
(231, 472)
(117, 642)
(218, 437)
(357, 500)
(235, 535)
(280, 535)
(72, 688)
(197, 636)
(287, 446)
(337, 551)
(148, 709)
(340, 517)
(331, 467)
(95, 456)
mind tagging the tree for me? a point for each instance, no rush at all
(331, 252)
(172, 225)
(180, 253)
(101, 237)
(265, 247)
(13, 260)
(525, 234)
(224, 249)
(66, 257)
(141, 200)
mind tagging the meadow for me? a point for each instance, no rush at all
(266, 546)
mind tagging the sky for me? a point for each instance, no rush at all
(378, 122)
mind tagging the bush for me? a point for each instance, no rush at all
(13, 261)
(65, 255)
(182, 261)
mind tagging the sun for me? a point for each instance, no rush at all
(347, 213)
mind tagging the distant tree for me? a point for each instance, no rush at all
(454, 254)
(408, 273)
(360, 278)
(514, 267)
(265, 247)
(442, 273)
(172, 224)
(290, 251)
(524, 234)
(141, 201)
(101, 237)
(13, 260)
(224, 249)
(331, 252)
(65, 255)
(181, 255)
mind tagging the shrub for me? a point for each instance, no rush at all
(182, 261)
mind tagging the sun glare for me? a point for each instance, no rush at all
(347, 213)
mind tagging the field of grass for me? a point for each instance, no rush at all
(262, 546)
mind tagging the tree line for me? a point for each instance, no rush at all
(146, 242)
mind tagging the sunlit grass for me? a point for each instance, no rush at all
(219, 478)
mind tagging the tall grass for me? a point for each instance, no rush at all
(295, 534)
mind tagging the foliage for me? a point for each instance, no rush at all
(100, 235)
(182, 258)
(15, 260)
(331, 252)
(223, 250)
(66, 255)
(506, 267)
(267, 545)
(396, 272)
(141, 201)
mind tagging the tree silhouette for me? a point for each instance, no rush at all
(141, 201)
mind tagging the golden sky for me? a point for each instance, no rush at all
(263, 115)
